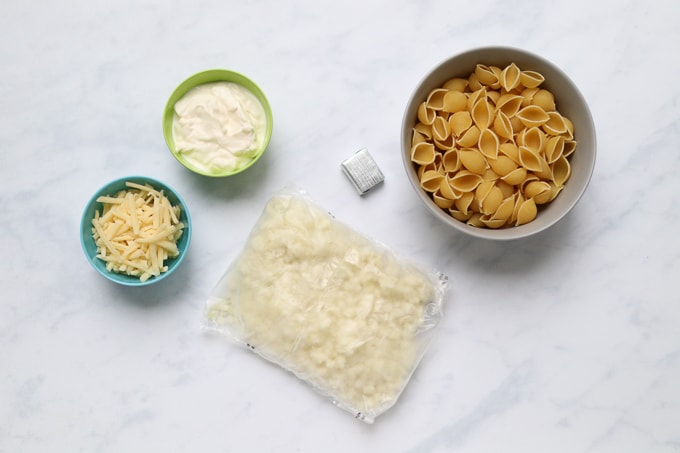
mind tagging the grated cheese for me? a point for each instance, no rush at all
(137, 231)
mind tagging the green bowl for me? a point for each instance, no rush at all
(90, 248)
(209, 76)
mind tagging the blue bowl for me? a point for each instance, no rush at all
(90, 248)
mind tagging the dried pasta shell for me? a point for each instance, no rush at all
(451, 161)
(470, 137)
(442, 201)
(486, 75)
(424, 129)
(544, 197)
(492, 223)
(502, 165)
(507, 189)
(536, 189)
(482, 114)
(510, 150)
(569, 148)
(417, 137)
(554, 148)
(529, 179)
(531, 79)
(504, 210)
(475, 97)
(431, 181)
(475, 220)
(555, 124)
(490, 175)
(493, 96)
(473, 83)
(483, 190)
(570, 128)
(423, 168)
(516, 176)
(463, 203)
(509, 104)
(517, 125)
(510, 77)
(440, 129)
(555, 191)
(454, 101)
(545, 172)
(492, 201)
(544, 99)
(561, 171)
(456, 214)
(496, 70)
(456, 84)
(465, 181)
(436, 165)
(531, 137)
(528, 96)
(488, 144)
(502, 125)
(532, 116)
(518, 199)
(435, 100)
(529, 159)
(475, 206)
(459, 122)
(423, 153)
(426, 115)
(446, 144)
(472, 160)
(447, 191)
(527, 212)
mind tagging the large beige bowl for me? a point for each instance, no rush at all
(570, 103)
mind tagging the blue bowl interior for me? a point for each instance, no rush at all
(90, 248)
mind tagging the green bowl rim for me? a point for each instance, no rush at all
(209, 76)
(86, 236)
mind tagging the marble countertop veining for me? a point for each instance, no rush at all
(565, 342)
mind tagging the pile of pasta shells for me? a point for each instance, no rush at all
(491, 148)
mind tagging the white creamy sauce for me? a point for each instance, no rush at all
(218, 126)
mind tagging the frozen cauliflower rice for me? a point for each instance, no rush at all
(328, 304)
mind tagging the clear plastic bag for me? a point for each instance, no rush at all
(335, 308)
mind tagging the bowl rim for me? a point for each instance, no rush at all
(515, 232)
(86, 235)
(209, 76)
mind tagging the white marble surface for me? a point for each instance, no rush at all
(566, 342)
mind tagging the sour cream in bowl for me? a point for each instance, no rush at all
(217, 123)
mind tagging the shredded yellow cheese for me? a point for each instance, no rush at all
(137, 231)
